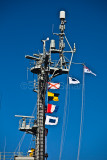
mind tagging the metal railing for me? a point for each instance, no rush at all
(9, 155)
(26, 123)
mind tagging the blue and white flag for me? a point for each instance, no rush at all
(73, 81)
(51, 120)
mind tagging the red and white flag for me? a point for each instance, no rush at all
(51, 108)
(53, 85)
(87, 70)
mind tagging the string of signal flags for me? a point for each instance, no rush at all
(50, 108)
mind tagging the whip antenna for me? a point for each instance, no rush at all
(27, 73)
(52, 28)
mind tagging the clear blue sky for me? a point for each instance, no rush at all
(23, 24)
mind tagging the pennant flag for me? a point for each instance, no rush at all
(53, 96)
(73, 81)
(51, 120)
(46, 131)
(51, 108)
(53, 85)
(87, 70)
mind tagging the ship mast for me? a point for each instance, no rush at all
(46, 70)
(41, 91)
(43, 78)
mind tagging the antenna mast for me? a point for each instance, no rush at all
(46, 70)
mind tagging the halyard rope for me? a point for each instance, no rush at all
(68, 111)
(82, 111)
(64, 119)
(65, 107)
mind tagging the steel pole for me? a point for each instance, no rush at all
(40, 137)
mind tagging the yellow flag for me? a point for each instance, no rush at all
(50, 94)
(55, 99)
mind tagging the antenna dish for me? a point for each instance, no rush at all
(24, 116)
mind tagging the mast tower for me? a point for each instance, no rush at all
(46, 70)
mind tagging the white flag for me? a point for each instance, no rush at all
(87, 70)
(51, 120)
(73, 81)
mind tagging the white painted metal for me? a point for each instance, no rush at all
(24, 116)
(52, 44)
(24, 158)
(62, 15)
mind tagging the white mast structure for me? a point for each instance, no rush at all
(46, 70)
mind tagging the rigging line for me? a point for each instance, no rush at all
(78, 63)
(52, 28)
(0, 101)
(18, 145)
(66, 58)
(54, 71)
(68, 43)
(67, 112)
(4, 148)
(27, 72)
(30, 122)
(21, 141)
(64, 119)
(65, 108)
(72, 52)
(65, 130)
(82, 111)
(30, 141)
(22, 138)
(45, 144)
(33, 112)
(70, 62)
